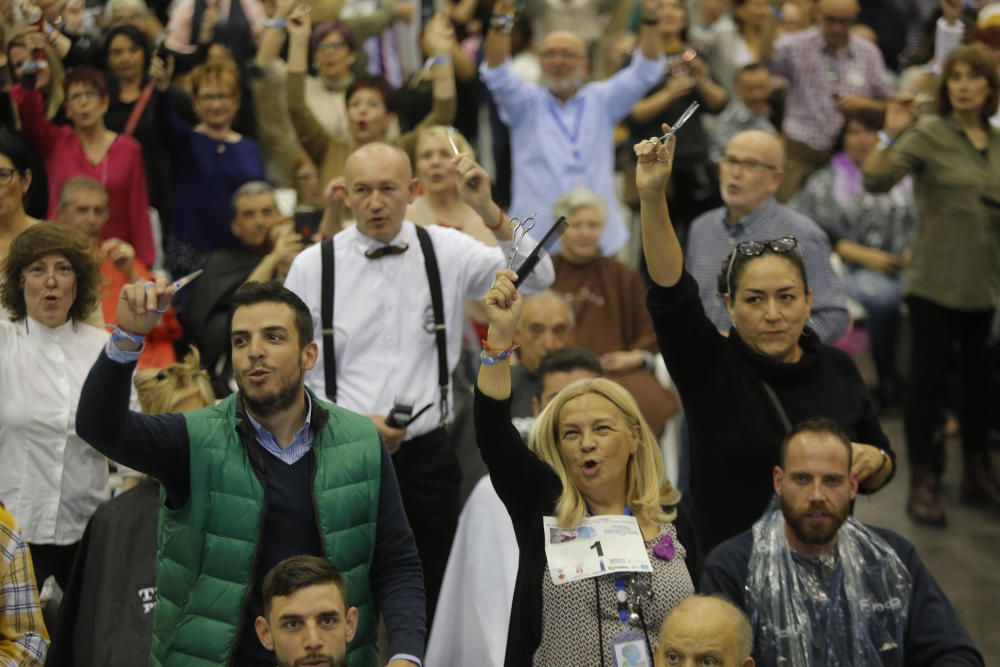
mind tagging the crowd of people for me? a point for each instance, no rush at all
(293, 371)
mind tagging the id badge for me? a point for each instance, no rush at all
(628, 649)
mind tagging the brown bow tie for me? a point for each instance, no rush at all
(379, 253)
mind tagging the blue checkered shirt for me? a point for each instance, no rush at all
(711, 239)
(300, 445)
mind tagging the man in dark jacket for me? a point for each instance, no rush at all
(820, 587)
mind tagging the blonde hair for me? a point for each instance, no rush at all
(161, 390)
(646, 491)
(441, 132)
(220, 69)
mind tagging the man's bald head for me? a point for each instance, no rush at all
(750, 171)
(705, 627)
(379, 186)
(835, 20)
(381, 153)
(546, 324)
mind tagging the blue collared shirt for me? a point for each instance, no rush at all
(556, 147)
(300, 445)
(711, 239)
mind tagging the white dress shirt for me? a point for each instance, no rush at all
(50, 479)
(382, 317)
(473, 609)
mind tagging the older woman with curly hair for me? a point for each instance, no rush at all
(50, 478)
(592, 455)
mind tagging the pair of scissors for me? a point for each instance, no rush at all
(521, 229)
(680, 122)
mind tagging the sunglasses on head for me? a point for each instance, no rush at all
(756, 249)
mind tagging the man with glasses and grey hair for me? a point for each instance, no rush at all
(750, 173)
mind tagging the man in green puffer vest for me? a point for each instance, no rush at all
(268, 473)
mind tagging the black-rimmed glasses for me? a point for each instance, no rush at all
(7, 176)
(755, 249)
(732, 162)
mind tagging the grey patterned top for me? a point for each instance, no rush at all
(570, 632)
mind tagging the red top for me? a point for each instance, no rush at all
(121, 170)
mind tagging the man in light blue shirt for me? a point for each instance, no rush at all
(561, 131)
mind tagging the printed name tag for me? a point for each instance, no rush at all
(598, 545)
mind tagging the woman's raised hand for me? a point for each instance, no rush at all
(654, 163)
(503, 308)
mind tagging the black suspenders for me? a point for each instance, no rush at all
(437, 305)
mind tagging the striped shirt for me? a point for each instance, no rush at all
(711, 239)
(300, 445)
(23, 638)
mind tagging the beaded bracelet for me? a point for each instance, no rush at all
(491, 356)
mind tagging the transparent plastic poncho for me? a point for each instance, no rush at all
(848, 608)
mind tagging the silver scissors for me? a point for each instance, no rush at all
(521, 229)
(450, 133)
(680, 122)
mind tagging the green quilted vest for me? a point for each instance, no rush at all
(207, 548)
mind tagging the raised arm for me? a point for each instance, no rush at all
(441, 38)
(154, 444)
(313, 137)
(274, 35)
(474, 189)
(503, 308)
(664, 257)
(880, 174)
(497, 47)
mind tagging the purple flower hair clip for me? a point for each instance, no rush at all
(665, 548)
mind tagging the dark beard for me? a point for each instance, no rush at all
(269, 405)
(811, 533)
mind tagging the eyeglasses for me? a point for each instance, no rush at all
(83, 95)
(731, 162)
(755, 249)
(846, 21)
(552, 54)
(331, 46)
(41, 273)
(7, 176)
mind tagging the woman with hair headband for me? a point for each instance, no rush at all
(592, 454)
(742, 392)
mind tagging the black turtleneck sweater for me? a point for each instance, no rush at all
(735, 429)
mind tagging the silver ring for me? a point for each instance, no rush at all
(157, 310)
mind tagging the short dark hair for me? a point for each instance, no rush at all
(138, 38)
(48, 238)
(88, 76)
(979, 58)
(298, 572)
(321, 30)
(567, 360)
(378, 84)
(818, 425)
(728, 279)
(870, 119)
(750, 68)
(14, 150)
(253, 292)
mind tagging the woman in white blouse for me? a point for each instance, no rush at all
(50, 479)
